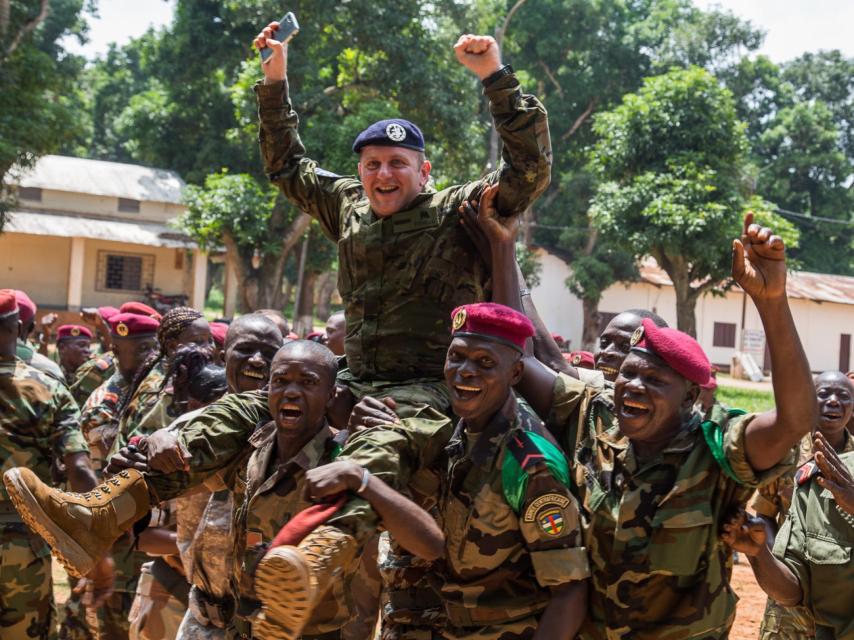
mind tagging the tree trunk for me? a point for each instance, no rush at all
(686, 297)
(590, 329)
(304, 316)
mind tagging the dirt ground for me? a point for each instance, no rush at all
(751, 604)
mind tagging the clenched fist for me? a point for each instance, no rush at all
(478, 53)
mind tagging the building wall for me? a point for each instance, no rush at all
(820, 325)
(84, 203)
(37, 265)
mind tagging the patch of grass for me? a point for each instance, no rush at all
(750, 400)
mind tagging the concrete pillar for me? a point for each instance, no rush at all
(200, 279)
(75, 274)
(230, 285)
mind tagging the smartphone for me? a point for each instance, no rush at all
(288, 28)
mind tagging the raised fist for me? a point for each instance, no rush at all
(275, 67)
(759, 262)
(478, 53)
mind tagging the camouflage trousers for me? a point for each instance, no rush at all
(155, 614)
(27, 608)
(192, 629)
(786, 623)
(75, 622)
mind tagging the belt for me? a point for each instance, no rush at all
(171, 580)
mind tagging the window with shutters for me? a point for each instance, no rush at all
(724, 335)
(124, 271)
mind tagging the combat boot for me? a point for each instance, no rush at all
(79, 527)
(291, 581)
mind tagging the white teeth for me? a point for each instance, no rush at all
(607, 369)
(464, 388)
(252, 373)
(635, 405)
(290, 407)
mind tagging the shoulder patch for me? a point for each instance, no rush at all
(807, 472)
(713, 433)
(526, 450)
(523, 447)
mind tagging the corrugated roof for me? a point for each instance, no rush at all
(51, 224)
(102, 178)
(819, 287)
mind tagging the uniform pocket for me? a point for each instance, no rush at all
(678, 542)
(825, 550)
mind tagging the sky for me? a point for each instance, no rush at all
(792, 26)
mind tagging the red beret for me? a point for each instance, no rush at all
(107, 312)
(8, 302)
(26, 307)
(679, 350)
(218, 331)
(140, 309)
(124, 325)
(493, 322)
(583, 359)
(68, 331)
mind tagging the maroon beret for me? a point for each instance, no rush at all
(107, 312)
(69, 331)
(493, 322)
(583, 359)
(218, 331)
(8, 302)
(680, 351)
(140, 309)
(133, 325)
(26, 307)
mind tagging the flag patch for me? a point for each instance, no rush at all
(550, 520)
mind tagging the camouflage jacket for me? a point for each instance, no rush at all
(44, 364)
(143, 401)
(98, 417)
(815, 542)
(39, 420)
(774, 499)
(401, 276)
(652, 527)
(91, 375)
(501, 558)
(266, 495)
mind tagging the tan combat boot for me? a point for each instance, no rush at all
(291, 581)
(79, 527)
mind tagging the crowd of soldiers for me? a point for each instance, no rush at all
(438, 469)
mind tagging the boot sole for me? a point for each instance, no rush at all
(70, 554)
(284, 587)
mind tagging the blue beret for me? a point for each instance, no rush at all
(391, 133)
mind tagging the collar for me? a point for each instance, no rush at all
(684, 440)
(263, 440)
(496, 431)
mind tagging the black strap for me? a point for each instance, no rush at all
(171, 580)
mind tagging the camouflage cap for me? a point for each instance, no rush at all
(70, 331)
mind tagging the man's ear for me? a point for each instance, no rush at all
(691, 395)
(359, 170)
(426, 167)
(517, 371)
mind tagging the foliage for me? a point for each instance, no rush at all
(529, 265)
(39, 104)
(671, 160)
(751, 400)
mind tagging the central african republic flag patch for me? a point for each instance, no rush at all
(551, 521)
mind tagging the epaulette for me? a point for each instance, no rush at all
(806, 472)
(528, 449)
(713, 433)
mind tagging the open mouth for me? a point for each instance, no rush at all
(831, 414)
(255, 374)
(466, 392)
(634, 409)
(608, 371)
(386, 190)
(289, 413)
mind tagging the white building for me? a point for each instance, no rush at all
(88, 233)
(822, 306)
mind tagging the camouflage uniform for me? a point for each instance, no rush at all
(652, 527)
(144, 400)
(773, 501)
(98, 418)
(511, 526)
(815, 543)
(38, 423)
(267, 495)
(91, 375)
(44, 364)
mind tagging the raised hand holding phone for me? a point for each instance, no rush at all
(272, 43)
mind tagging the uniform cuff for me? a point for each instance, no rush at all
(271, 96)
(736, 454)
(559, 566)
(763, 505)
(566, 396)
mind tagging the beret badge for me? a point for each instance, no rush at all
(75, 331)
(636, 336)
(122, 329)
(395, 132)
(459, 319)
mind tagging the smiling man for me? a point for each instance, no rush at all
(655, 482)
(835, 395)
